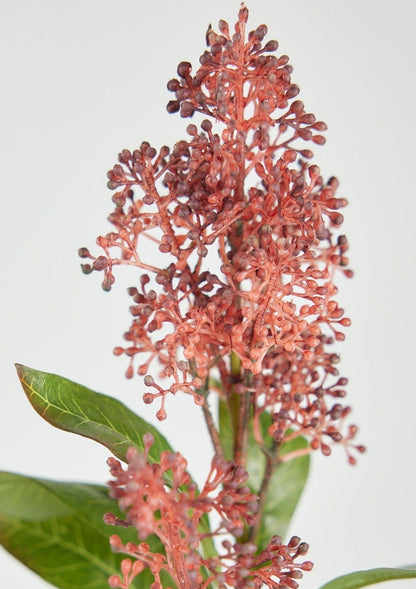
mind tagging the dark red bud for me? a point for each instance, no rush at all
(172, 106)
(271, 46)
(83, 252)
(184, 69)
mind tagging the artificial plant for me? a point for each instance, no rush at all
(235, 307)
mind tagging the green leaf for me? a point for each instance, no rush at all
(370, 577)
(286, 484)
(74, 408)
(57, 530)
(225, 430)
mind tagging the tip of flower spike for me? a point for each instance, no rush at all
(243, 13)
(197, 208)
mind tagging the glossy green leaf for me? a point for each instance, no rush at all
(287, 482)
(72, 407)
(225, 430)
(370, 577)
(57, 530)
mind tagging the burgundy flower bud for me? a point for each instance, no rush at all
(292, 91)
(260, 32)
(271, 46)
(270, 301)
(187, 109)
(173, 85)
(184, 69)
(172, 106)
(100, 263)
(107, 283)
(83, 252)
(86, 268)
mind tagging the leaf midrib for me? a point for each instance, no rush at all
(64, 410)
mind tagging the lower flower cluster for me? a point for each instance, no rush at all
(162, 503)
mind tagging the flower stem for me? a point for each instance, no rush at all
(212, 430)
(241, 440)
(272, 461)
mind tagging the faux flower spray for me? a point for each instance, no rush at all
(235, 306)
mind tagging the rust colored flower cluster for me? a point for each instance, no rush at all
(238, 297)
(161, 500)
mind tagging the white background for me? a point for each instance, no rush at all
(82, 79)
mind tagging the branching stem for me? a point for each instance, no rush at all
(272, 462)
(212, 430)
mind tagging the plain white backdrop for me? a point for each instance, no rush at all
(82, 79)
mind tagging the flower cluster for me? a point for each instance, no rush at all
(241, 290)
(161, 500)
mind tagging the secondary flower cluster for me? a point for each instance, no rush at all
(247, 245)
(161, 500)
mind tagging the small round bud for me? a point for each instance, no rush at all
(86, 268)
(83, 252)
(292, 91)
(161, 414)
(297, 106)
(172, 106)
(271, 46)
(223, 27)
(126, 565)
(187, 109)
(320, 126)
(325, 449)
(206, 125)
(294, 541)
(306, 153)
(100, 263)
(114, 581)
(184, 69)
(314, 171)
(192, 130)
(260, 32)
(173, 85)
(107, 283)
